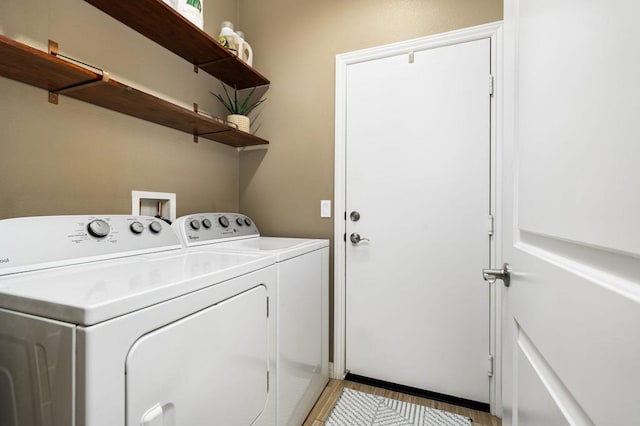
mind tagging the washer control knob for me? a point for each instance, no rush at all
(239, 221)
(98, 228)
(195, 224)
(224, 222)
(136, 227)
(206, 223)
(155, 227)
(247, 221)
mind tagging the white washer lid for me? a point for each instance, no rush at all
(282, 248)
(91, 293)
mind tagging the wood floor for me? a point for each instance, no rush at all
(327, 400)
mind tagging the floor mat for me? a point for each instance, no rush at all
(355, 408)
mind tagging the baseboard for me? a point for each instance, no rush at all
(461, 402)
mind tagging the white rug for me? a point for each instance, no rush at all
(356, 408)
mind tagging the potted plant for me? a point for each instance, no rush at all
(239, 111)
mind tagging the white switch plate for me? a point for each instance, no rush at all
(325, 208)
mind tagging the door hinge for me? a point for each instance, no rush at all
(490, 371)
(491, 84)
(267, 306)
(491, 225)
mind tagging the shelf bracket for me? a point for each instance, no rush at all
(195, 109)
(215, 61)
(53, 48)
(53, 94)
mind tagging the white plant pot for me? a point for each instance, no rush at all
(242, 121)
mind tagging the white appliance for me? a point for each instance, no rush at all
(107, 321)
(302, 298)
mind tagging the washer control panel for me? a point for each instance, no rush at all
(204, 228)
(31, 243)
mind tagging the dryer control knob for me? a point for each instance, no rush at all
(239, 221)
(155, 227)
(223, 221)
(206, 223)
(247, 221)
(195, 224)
(98, 228)
(136, 227)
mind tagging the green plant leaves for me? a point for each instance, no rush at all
(233, 105)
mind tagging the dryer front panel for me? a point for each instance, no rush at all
(209, 368)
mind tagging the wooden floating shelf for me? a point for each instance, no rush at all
(32, 66)
(159, 22)
(37, 68)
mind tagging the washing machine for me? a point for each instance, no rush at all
(301, 308)
(108, 321)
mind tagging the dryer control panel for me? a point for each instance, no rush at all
(32, 243)
(207, 228)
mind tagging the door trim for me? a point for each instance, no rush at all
(493, 32)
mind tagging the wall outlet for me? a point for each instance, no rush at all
(157, 204)
(325, 208)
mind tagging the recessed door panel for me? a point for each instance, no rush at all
(207, 369)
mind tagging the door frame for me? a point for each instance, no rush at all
(492, 31)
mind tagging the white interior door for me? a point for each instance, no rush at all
(571, 317)
(418, 173)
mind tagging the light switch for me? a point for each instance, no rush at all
(325, 208)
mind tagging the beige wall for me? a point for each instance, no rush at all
(82, 159)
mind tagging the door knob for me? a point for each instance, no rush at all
(504, 274)
(356, 238)
(355, 216)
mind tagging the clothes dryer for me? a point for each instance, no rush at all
(301, 308)
(108, 321)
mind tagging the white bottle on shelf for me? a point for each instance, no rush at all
(228, 38)
(244, 49)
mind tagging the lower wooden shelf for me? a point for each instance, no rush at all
(32, 66)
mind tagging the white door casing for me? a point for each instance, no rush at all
(398, 55)
(571, 209)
